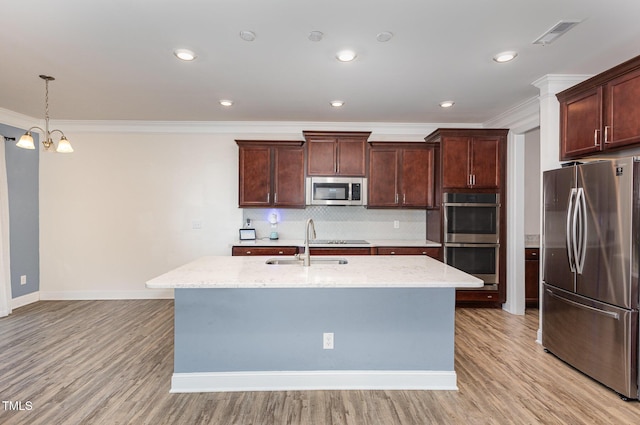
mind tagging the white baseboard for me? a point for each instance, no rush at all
(25, 299)
(313, 380)
(145, 294)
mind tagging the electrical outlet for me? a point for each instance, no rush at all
(23, 279)
(196, 224)
(327, 341)
(396, 224)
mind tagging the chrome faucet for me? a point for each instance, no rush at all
(306, 260)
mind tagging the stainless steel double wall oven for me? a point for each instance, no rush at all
(472, 234)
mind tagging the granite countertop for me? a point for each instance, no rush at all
(412, 271)
(371, 243)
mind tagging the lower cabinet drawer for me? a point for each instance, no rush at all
(261, 250)
(403, 250)
(340, 251)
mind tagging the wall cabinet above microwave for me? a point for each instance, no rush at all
(271, 173)
(331, 153)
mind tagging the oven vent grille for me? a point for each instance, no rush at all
(556, 31)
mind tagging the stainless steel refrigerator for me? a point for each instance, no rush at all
(590, 247)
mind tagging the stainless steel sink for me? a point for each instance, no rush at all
(299, 262)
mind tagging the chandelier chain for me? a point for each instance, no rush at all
(46, 99)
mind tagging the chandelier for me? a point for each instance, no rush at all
(26, 141)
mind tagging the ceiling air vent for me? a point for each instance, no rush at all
(556, 31)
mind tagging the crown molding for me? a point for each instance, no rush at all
(520, 118)
(378, 130)
(551, 84)
(17, 120)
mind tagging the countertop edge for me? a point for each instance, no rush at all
(412, 271)
(373, 243)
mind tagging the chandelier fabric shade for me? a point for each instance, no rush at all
(26, 141)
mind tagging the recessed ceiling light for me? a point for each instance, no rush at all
(226, 102)
(184, 54)
(447, 104)
(346, 55)
(384, 36)
(336, 103)
(505, 57)
(247, 35)
(316, 35)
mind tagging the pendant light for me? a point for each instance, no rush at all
(26, 141)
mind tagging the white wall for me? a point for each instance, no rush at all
(120, 210)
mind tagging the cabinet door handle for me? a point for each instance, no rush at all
(275, 198)
(392, 253)
(268, 197)
(404, 198)
(596, 137)
(396, 198)
(248, 252)
(470, 180)
(606, 135)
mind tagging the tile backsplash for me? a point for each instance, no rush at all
(338, 222)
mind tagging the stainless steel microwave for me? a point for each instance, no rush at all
(336, 191)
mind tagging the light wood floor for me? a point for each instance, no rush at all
(110, 362)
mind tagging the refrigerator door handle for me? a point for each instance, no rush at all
(575, 241)
(610, 314)
(581, 246)
(571, 234)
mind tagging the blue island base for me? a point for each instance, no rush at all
(272, 339)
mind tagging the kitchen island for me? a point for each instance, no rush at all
(244, 325)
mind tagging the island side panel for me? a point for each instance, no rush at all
(231, 330)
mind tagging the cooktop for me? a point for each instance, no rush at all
(338, 241)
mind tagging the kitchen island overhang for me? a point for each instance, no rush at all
(243, 325)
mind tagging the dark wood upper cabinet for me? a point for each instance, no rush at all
(601, 113)
(622, 119)
(485, 161)
(400, 175)
(455, 162)
(271, 173)
(417, 177)
(255, 175)
(322, 157)
(332, 153)
(288, 173)
(383, 178)
(471, 159)
(581, 123)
